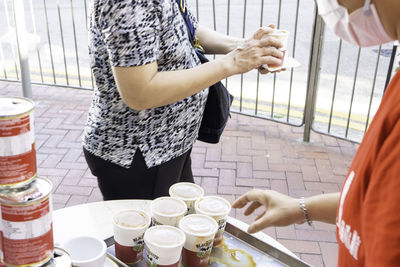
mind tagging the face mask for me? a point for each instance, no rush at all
(362, 27)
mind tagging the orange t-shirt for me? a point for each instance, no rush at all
(368, 217)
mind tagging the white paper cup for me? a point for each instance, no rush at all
(283, 36)
(218, 208)
(167, 210)
(188, 192)
(129, 228)
(200, 231)
(86, 251)
(164, 245)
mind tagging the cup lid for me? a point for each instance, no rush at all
(164, 236)
(213, 206)
(198, 225)
(168, 206)
(131, 219)
(186, 191)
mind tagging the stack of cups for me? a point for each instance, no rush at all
(167, 233)
(25, 199)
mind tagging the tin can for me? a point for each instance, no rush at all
(17, 142)
(26, 224)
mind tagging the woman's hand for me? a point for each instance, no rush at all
(280, 209)
(253, 53)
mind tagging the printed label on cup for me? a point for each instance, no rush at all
(129, 229)
(167, 211)
(188, 192)
(163, 245)
(200, 231)
(218, 208)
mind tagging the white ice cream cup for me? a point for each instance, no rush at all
(164, 245)
(188, 192)
(129, 228)
(218, 208)
(200, 231)
(167, 210)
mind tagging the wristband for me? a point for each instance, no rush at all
(305, 212)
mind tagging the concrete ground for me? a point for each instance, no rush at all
(253, 153)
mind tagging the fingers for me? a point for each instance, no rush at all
(253, 206)
(259, 224)
(270, 60)
(270, 41)
(254, 195)
(263, 31)
(272, 51)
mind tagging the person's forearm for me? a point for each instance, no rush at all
(171, 86)
(323, 207)
(216, 43)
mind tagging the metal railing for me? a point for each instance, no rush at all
(335, 91)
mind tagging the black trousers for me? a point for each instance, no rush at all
(138, 181)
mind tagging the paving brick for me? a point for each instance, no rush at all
(233, 190)
(259, 183)
(244, 169)
(325, 187)
(295, 181)
(72, 155)
(236, 158)
(313, 260)
(73, 177)
(310, 173)
(300, 246)
(206, 172)
(88, 182)
(75, 200)
(210, 185)
(95, 195)
(59, 198)
(284, 167)
(279, 185)
(219, 165)
(287, 232)
(329, 253)
(197, 160)
(213, 154)
(74, 190)
(51, 161)
(52, 172)
(315, 235)
(260, 163)
(70, 165)
(227, 177)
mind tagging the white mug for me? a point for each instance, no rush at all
(86, 251)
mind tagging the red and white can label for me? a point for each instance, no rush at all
(27, 233)
(17, 150)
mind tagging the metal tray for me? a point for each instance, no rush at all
(238, 249)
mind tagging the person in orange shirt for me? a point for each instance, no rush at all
(367, 211)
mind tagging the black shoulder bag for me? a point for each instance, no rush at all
(219, 101)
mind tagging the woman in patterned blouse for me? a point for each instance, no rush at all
(151, 91)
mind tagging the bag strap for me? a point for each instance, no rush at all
(189, 25)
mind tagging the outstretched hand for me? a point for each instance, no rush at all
(280, 209)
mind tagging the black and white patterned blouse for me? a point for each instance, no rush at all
(133, 33)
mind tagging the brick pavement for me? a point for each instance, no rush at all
(253, 153)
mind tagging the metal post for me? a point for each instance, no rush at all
(22, 43)
(394, 59)
(313, 74)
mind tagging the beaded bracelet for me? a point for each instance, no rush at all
(305, 212)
